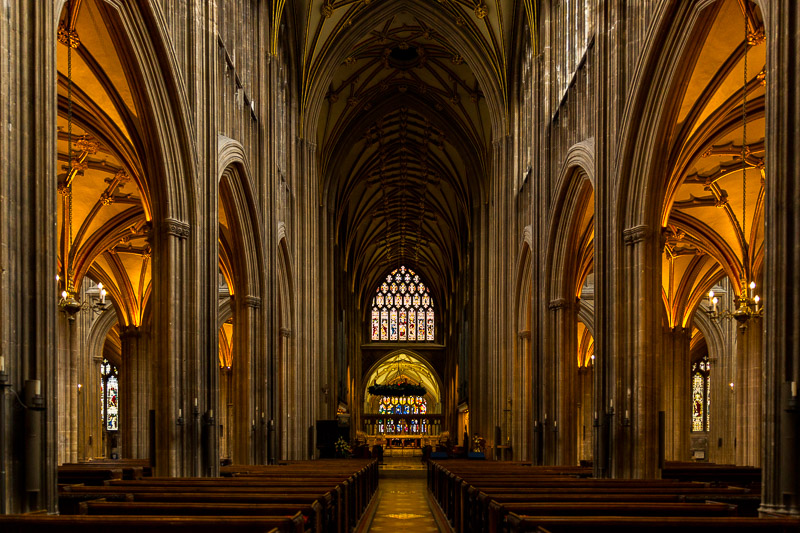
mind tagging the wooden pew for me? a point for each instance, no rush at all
(93, 475)
(312, 513)
(660, 524)
(139, 524)
(330, 515)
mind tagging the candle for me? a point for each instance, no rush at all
(595, 415)
(2, 364)
(752, 288)
(180, 412)
(195, 402)
(555, 424)
(210, 413)
(794, 389)
(627, 414)
(611, 403)
(37, 387)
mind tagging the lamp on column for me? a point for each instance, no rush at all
(747, 303)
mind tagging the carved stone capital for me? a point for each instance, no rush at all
(286, 332)
(635, 234)
(177, 228)
(558, 303)
(252, 301)
(524, 334)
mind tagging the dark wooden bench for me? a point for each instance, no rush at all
(88, 475)
(312, 512)
(660, 524)
(139, 524)
(498, 511)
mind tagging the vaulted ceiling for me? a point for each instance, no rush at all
(103, 218)
(404, 126)
(713, 214)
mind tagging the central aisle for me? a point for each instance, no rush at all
(403, 505)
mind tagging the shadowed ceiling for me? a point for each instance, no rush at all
(404, 129)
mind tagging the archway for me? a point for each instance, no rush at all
(394, 417)
(570, 265)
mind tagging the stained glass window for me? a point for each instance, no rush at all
(402, 309)
(109, 396)
(402, 405)
(701, 397)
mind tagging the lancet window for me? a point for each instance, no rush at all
(701, 394)
(402, 309)
(109, 396)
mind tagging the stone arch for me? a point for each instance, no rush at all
(166, 112)
(520, 373)
(289, 378)
(571, 227)
(241, 243)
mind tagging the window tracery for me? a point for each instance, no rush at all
(402, 309)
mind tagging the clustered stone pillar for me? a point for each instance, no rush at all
(781, 438)
(675, 386)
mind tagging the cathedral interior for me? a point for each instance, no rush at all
(568, 227)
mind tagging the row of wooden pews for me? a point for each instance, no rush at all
(295, 497)
(477, 496)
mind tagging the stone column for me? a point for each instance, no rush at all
(28, 299)
(521, 399)
(134, 393)
(747, 394)
(781, 468)
(675, 382)
(565, 344)
(637, 366)
(245, 346)
(176, 448)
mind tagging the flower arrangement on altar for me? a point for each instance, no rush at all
(342, 448)
(478, 444)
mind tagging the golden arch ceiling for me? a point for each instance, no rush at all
(705, 201)
(104, 233)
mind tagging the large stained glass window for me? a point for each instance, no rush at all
(402, 309)
(109, 396)
(701, 394)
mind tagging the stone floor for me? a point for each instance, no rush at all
(402, 504)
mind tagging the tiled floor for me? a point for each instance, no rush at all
(402, 505)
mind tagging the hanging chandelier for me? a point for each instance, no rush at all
(747, 303)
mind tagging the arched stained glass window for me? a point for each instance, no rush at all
(402, 309)
(701, 394)
(109, 396)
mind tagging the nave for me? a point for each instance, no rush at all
(243, 233)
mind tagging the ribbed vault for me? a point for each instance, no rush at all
(404, 135)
